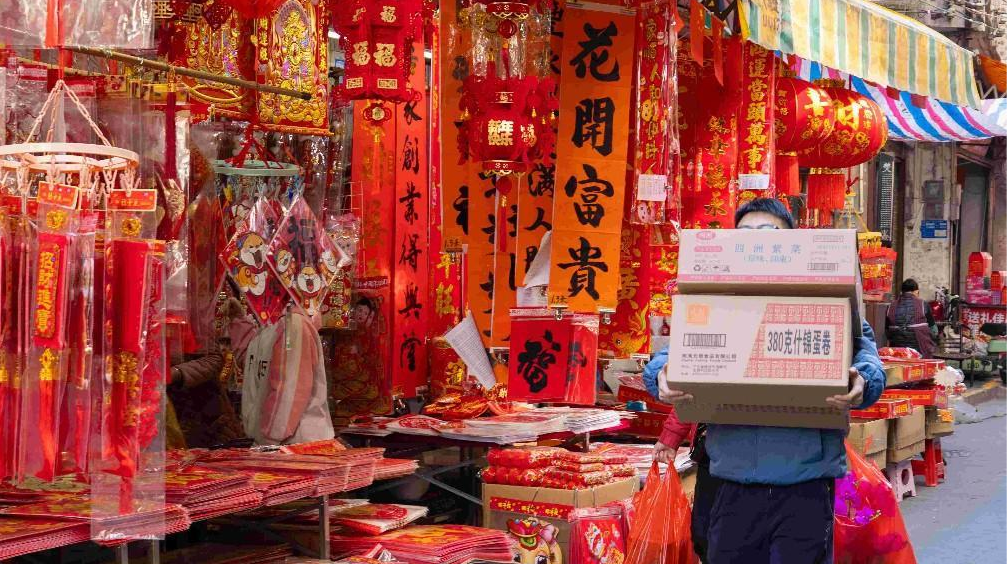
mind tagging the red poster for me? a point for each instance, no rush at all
(411, 310)
(539, 357)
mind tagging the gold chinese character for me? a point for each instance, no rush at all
(756, 112)
(384, 54)
(360, 55)
(388, 14)
(500, 132)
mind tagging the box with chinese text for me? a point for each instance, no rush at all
(906, 435)
(772, 262)
(760, 360)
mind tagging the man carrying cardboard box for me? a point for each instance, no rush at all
(775, 498)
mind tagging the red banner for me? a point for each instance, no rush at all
(481, 256)
(456, 179)
(756, 123)
(592, 154)
(411, 273)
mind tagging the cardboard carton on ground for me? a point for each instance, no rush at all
(505, 503)
(870, 438)
(905, 436)
(760, 360)
(939, 422)
(772, 262)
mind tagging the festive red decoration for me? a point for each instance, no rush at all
(507, 121)
(377, 36)
(804, 118)
(860, 132)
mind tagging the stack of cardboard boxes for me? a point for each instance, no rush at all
(762, 330)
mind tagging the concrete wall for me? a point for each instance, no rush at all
(998, 213)
(927, 260)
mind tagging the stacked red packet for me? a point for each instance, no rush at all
(277, 489)
(389, 468)
(221, 553)
(20, 536)
(433, 544)
(146, 521)
(207, 493)
(377, 518)
(328, 475)
(555, 468)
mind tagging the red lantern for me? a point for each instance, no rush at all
(859, 134)
(377, 36)
(804, 118)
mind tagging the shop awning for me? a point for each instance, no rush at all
(867, 41)
(933, 120)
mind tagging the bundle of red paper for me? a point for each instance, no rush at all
(19, 536)
(389, 468)
(374, 519)
(277, 489)
(108, 526)
(433, 544)
(554, 468)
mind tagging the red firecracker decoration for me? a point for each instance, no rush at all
(859, 134)
(377, 36)
(804, 119)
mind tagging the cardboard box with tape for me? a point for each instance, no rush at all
(537, 506)
(772, 262)
(760, 360)
(905, 436)
(870, 438)
(939, 422)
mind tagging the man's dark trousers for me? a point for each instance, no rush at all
(764, 524)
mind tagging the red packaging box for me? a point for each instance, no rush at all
(884, 409)
(627, 394)
(935, 397)
(977, 283)
(997, 279)
(980, 264)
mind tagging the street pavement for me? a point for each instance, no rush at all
(964, 519)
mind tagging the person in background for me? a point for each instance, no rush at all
(674, 433)
(909, 322)
(774, 503)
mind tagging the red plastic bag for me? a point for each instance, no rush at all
(868, 526)
(661, 530)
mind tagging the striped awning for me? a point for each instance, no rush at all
(867, 41)
(932, 120)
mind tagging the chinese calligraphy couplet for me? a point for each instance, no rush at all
(756, 123)
(456, 178)
(592, 151)
(480, 275)
(411, 309)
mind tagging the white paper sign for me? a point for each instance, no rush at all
(465, 340)
(652, 188)
(753, 181)
(538, 271)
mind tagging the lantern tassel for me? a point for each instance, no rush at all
(788, 174)
(503, 188)
(826, 192)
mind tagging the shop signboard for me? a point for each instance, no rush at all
(934, 229)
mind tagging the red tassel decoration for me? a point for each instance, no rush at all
(788, 174)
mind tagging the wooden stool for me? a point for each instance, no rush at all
(932, 465)
(900, 476)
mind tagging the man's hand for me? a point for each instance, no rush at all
(856, 395)
(669, 396)
(664, 453)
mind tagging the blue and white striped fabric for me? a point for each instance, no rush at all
(936, 121)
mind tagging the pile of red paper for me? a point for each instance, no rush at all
(220, 553)
(277, 489)
(327, 474)
(377, 518)
(388, 468)
(206, 493)
(19, 536)
(361, 463)
(432, 544)
(106, 523)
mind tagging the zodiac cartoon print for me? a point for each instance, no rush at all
(537, 541)
(245, 259)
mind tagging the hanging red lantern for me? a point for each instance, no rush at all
(804, 118)
(377, 36)
(859, 134)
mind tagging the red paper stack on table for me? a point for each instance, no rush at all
(19, 536)
(433, 544)
(389, 468)
(375, 519)
(145, 522)
(328, 476)
(277, 489)
(555, 468)
(207, 493)
(362, 462)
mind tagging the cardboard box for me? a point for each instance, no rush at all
(870, 438)
(980, 264)
(772, 262)
(939, 422)
(504, 503)
(919, 397)
(899, 371)
(906, 435)
(760, 360)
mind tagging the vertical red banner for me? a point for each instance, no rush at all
(410, 282)
(592, 155)
(756, 123)
(456, 178)
(481, 256)
(505, 277)
(361, 360)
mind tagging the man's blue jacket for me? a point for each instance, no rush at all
(779, 455)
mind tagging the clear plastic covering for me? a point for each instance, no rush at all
(120, 24)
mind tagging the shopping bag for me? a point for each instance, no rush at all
(868, 525)
(661, 531)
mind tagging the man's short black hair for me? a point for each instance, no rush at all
(771, 206)
(910, 285)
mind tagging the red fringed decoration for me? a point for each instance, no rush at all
(826, 192)
(788, 174)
